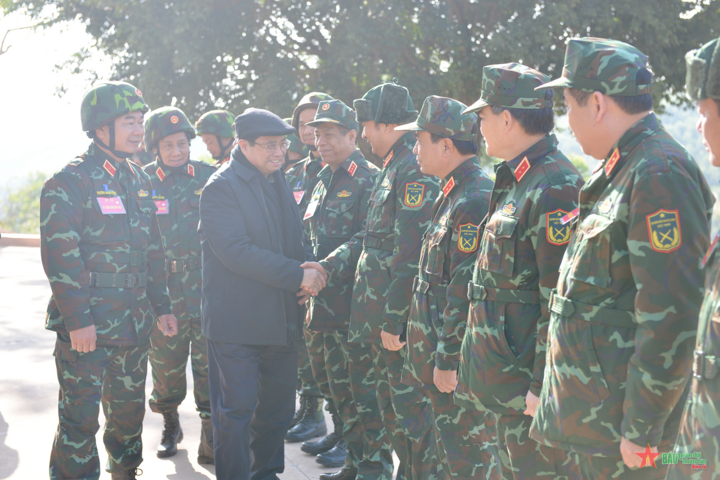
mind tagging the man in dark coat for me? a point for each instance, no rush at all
(252, 251)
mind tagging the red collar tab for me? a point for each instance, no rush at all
(109, 168)
(388, 158)
(352, 168)
(614, 159)
(522, 169)
(160, 174)
(569, 217)
(448, 188)
(191, 170)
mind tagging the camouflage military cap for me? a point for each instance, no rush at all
(295, 144)
(216, 122)
(334, 111)
(311, 100)
(601, 65)
(107, 101)
(444, 116)
(511, 85)
(388, 103)
(163, 122)
(703, 72)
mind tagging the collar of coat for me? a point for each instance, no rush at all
(629, 140)
(456, 177)
(523, 163)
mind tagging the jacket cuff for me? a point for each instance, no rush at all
(447, 362)
(76, 323)
(535, 388)
(393, 328)
(641, 433)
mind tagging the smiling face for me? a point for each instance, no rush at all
(307, 133)
(129, 131)
(333, 146)
(174, 149)
(258, 155)
(709, 126)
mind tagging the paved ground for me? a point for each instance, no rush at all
(28, 389)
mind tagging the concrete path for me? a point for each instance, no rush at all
(28, 389)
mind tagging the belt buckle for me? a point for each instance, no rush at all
(93, 279)
(130, 280)
(424, 286)
(470, 291)
(698, 364)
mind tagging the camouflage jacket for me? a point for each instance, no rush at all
(624, 316)
(439, 307)
(302, 178)
(383, 257)
(176, 192)
(521, 247)
(84, 252)
(337, 211)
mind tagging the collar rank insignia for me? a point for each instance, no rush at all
(448, 188)
(388, 158)
(143, 193)
(344, 194)
(522, 169)
(191, 170)
(414, 194)
(570, 216)
(161, 175)
(708, 254)
(664, 230)
(109, 168)
(557, 233)
(352, 167)
(198, 192)
(614, 159)
(509, 208)
(468, 238)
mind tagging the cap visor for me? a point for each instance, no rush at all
(558, 82)
(479, 105)
(410, 127)
(315, 123)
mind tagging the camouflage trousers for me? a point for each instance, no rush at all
(522, 458)
(463, 439)
(306, 382)
(114, 376)
(600, 468)
(407, 416)
(168, 361)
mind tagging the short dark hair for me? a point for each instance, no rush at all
(533, 122)
(469, 147)
(630, 105)
(251, 139)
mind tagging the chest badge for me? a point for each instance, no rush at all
(468, 238)
(143, 193)
(557, 232)
(570, 216)
(509, 208)
(344, 194)
(299, 194)
(414, 194)
(448, 188)
(664, 231)
(522, 169)
(605, 206)
(198, 192)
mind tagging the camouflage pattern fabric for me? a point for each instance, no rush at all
(444, 116)
(310, 100)
(163, 122)
(107, 101)
(601, 65)
(623, 315)
(521, 247)
(335, 112)
(216, 122)
(703, 72)
(511, 85)
(80, 245)
(176, 191)
(439, 310)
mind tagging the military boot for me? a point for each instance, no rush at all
(299, 412)
(312, 423)
(344, 474)
(127, 474)
(172, 434)
(206, 453)
(335, 457)
(325, 444)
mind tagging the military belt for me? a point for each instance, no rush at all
(421, 286)
(379, 243)
(482, 293)
(705, 366)
(180, 266)
(136, 258)
(591, 313)
(118, 280)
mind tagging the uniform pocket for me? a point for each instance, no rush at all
(146, 209)
(592, 261)
(339, 219)
(435, 252)
(497, 253)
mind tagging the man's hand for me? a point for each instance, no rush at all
(303, 297)
(313, 280)
(316, 266)
(532, 403)
(391, 342)
(629, 449)
(168, 325)
(445, 380)
(83, 339)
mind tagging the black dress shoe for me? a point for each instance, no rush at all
(344, 474)
(335, 457)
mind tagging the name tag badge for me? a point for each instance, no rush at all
(299, 196)
(311, 209)
(162, 207)
(111, 206)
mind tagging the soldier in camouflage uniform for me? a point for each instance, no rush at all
(177, 183)
(521, 247)
(700, 426)
(624, 312)
(102, 253)
(337, 211)
(383, 257)
(296, 150)
(216, 130)
(309, 421)
(446, 148)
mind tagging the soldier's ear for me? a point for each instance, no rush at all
(448, 146)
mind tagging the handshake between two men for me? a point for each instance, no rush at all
(314, 280)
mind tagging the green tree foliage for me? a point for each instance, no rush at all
(20, 206)
(202, 54)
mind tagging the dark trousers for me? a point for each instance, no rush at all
(252, 400)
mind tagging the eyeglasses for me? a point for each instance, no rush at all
(271, 147)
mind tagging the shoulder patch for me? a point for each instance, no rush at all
(468, 238)
(557, 232)
(664, 230)
(414, 194)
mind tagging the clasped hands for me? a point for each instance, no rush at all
(83, 340)
(314, 280)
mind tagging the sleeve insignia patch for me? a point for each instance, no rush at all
(522, 169)
(664, 231)
(414, 194)
(557, 232)
(614, 159)
(352, 168)
(468, 238)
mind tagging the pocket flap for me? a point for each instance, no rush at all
(594, 225)
(502, 226)
(146, 204)
(380, 196)
(339, 207)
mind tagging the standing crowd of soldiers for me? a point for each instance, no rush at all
(533, 325)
